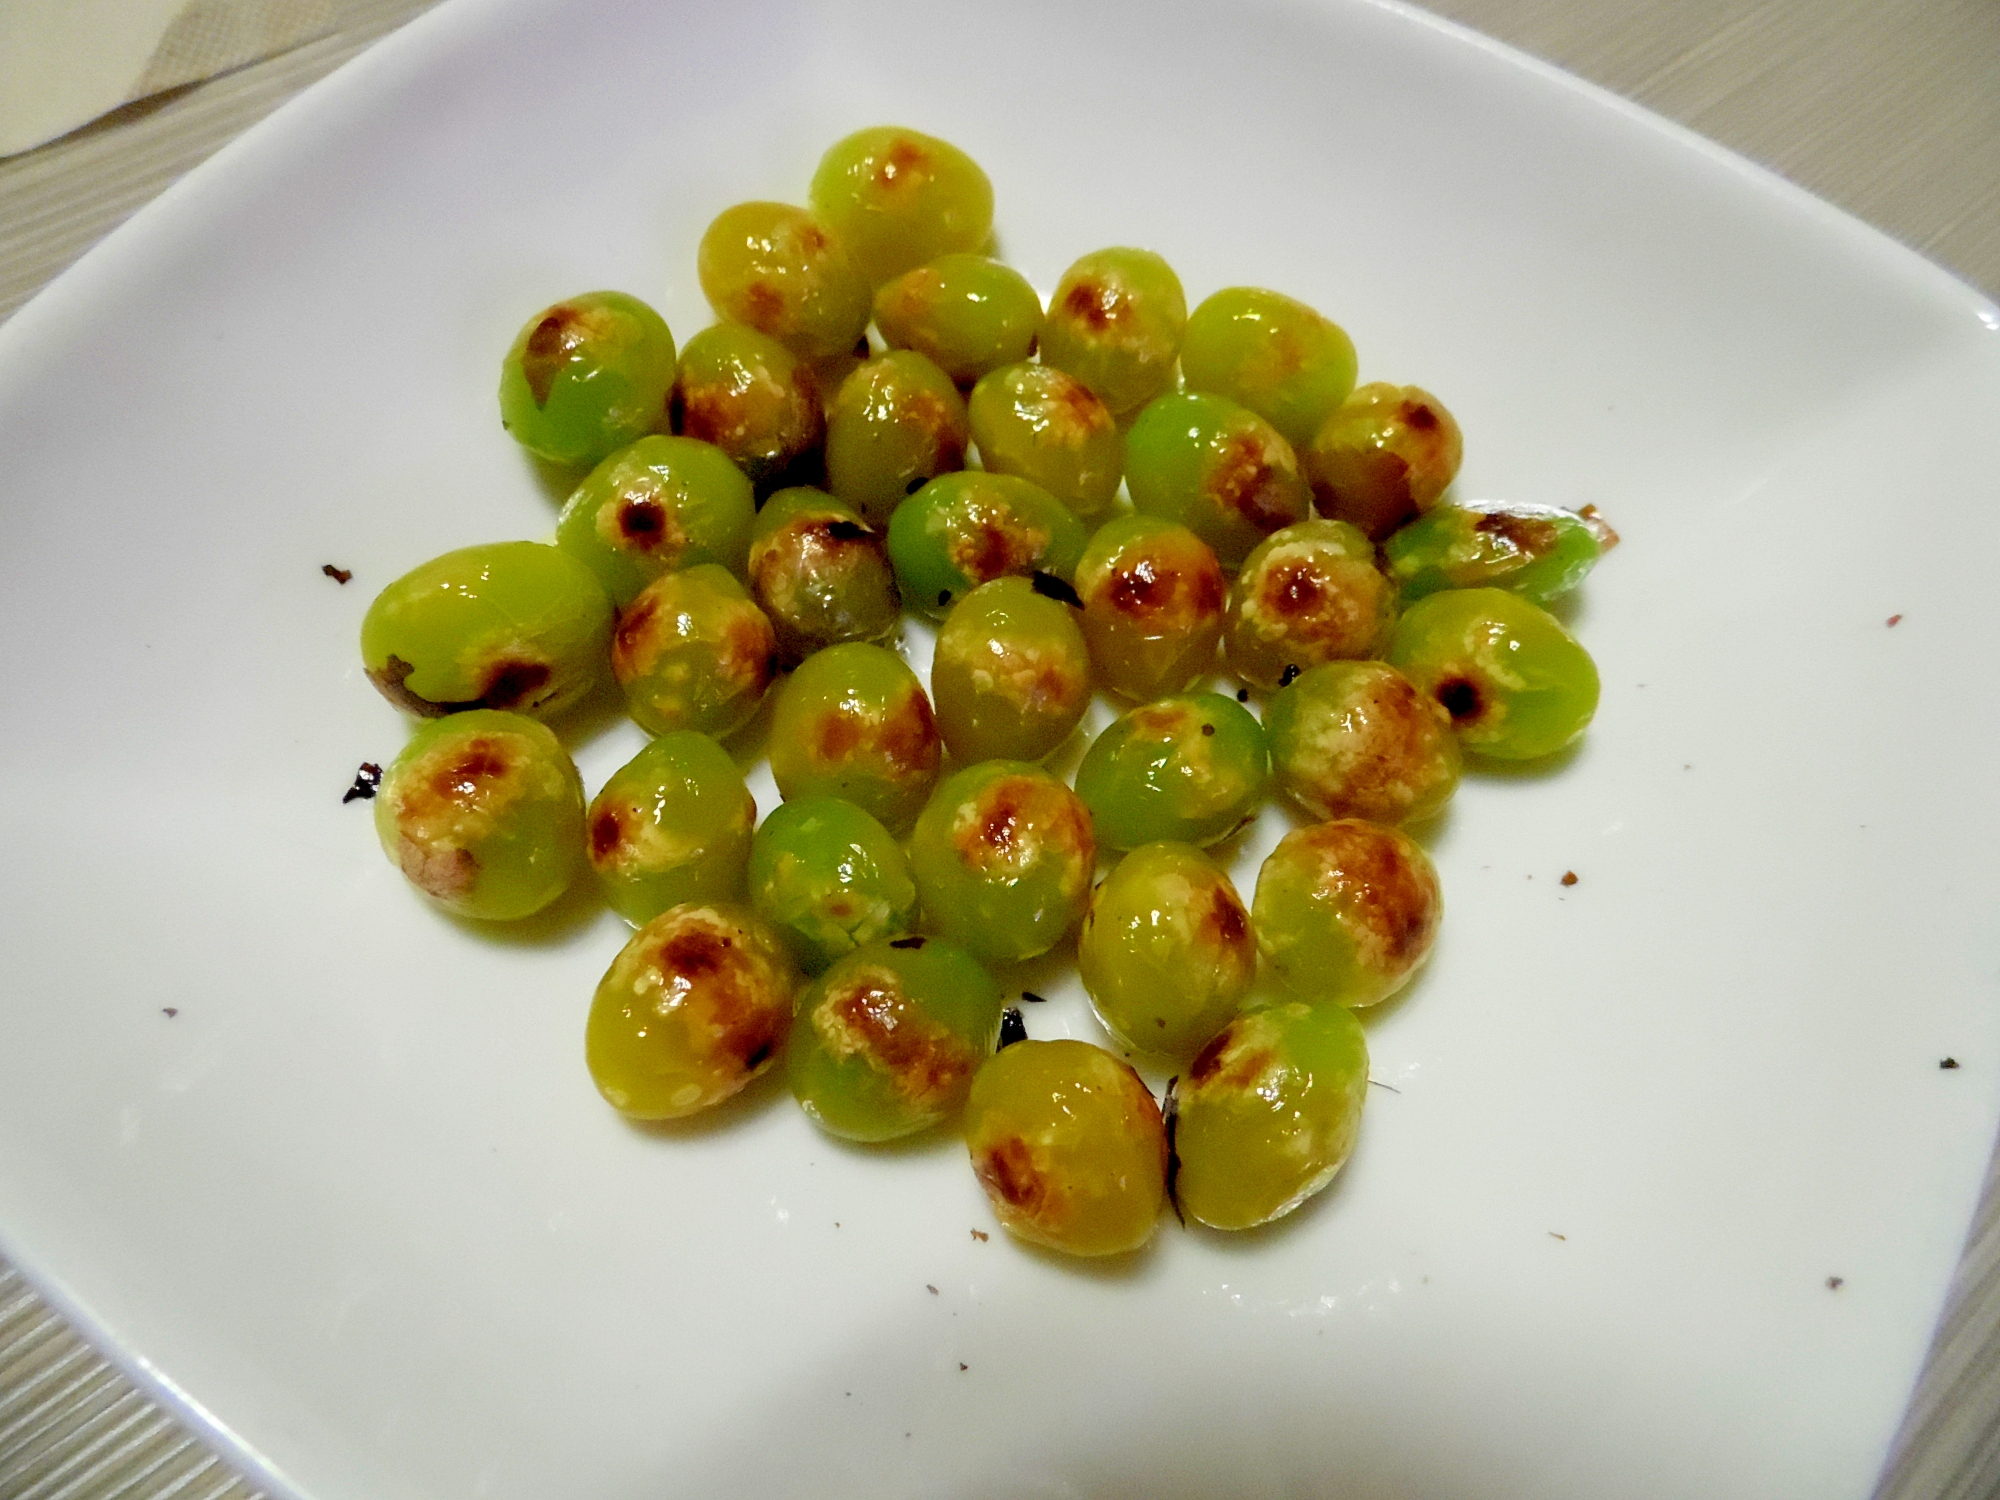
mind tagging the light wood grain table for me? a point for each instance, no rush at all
(1889, 108)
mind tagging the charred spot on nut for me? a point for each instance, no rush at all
(1137, 588)
(480, 762)
(1013, 1027)
(1006, 1169)
(1293, 589)
(848, 531)
(1051, 587)
(607, 832)
(366, 781)
(908, 736)
(693, 951)
(1227, 919)
(1419, 416)
(555, 338)
(1290, 675)
(642, 522)
(1460, 697)
(903, 159)
(765, 302)
(1528, 534)
(1095, 303)
(1207, 1062)
(389, 679)
(911, 943)
(511, 683)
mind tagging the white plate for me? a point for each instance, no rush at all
(357, 1204)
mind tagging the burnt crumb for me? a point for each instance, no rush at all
(1012, 1028)
(1947, 1063)
(848, 531)
(907, 942)
(931, 1289)
(1554, 1236)
(1243, 695)
(1170, 1119)
(1379, 1084)
(341, 575)
(944, 597)
(963, 1365)
(1569, 877)
(1835, 1283)
(1287, 677)
(366, 780)
(1031, 997)
(981, 1235)
(1893, 619)
(169, 1011)
(1051, 587)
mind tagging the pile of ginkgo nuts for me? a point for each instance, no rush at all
(1161, 502)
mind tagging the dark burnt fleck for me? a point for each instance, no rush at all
(643, 522)
(1207, 730)
(848, 531)
(1894, 620)
(1420, 416)
(512, 683)
(366, 780)
(1012, 1027)
(1460, 697)
(1208, 1061)
(607, 832)
(931, 1289)
(981, 1235)
(1031, 997)
(757, 1055)
(1051, 587)
(1948, 1063)
(1243, 695)
(861, 350)
(555, 338)
(1170, 1118)
(944, 597)
(1835, 1283)
(907, 942)
(169, 1011)
(1569, 877)
(963, 1365)
(341, 575)
(1289, 675)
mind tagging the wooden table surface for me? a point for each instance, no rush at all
(1888, 108)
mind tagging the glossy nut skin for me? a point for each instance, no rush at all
(965, 529)
(662, 503)
(1153, 597)
(1010, 675)
(753, 398)
(483, 813)
(518, 626)
(821, 573)
(899, 198)
(1166, 949)
(1516, 685)
(887, 1041)
(693, 651)
(1115, 322)
(1308, 594)
(695, 1005)
(1345, 911)
(1272, 353)
(1047, 427)
(897, 422)
(853, 722)
(587, 376)
(1190, 769)
(966, 313)
(1385, 456)
(830, 878)
(1356, 739)
(1070, 1147)
(671, 825)
(1218, 469)
(1003, 855)
(1536, 551)
(780, 270)
(1268, 1113)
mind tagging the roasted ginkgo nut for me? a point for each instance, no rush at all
(1345, 911)
(778, 269)
(830, 878)
(483, 813)
(519, 626)
(966, 313)
(899, 198)
(587, 376)
(753, 398)
(1268, 1112)
(887, 1041)
(897, 422)
(1272, 353)
(854, 722)
(671, 825)
(1357, 739)
(660, 504)
(1153, 596)
(821, 573)
(1536, 551)
(968, 528)
(1010, 673)
(1191, 769)
(1070, 1147)
(1217, 468)
(1166, 951)
(693, 651)
(1307, 594)
(694, 1006)
(1046, 426)
(1115, 322)
(1384, 456)
(1003, 854)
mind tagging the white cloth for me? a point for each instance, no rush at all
(65, 62)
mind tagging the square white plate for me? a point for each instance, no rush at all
(354, 1202)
